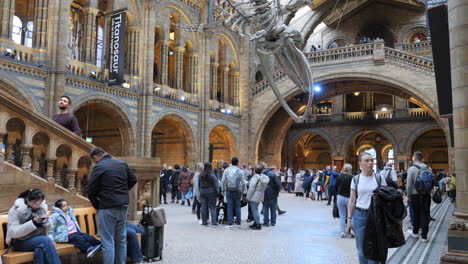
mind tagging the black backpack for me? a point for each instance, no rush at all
(389, 180)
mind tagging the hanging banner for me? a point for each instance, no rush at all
(430, 4)
(117, 49)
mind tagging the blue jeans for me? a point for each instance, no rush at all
(44, 250)
(133, 246)
(269, 206)
(83, 241)
(256, 215)
(342, 203)
(208, 201)
(233, 203)
(359, 226)
(113, 233)
(411, 213)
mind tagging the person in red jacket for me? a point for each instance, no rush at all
(184, 185)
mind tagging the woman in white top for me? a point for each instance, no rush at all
(359, 201)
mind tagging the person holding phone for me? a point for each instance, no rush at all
(28, 225)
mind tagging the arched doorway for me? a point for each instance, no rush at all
(433, 145)
(104, 127)
(222, 145)
(372, 142)
(171, 141)
(311, 151)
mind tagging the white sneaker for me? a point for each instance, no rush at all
(410, 232)
(200, 221)
(424, 240)
(229, 227)
(343, 235)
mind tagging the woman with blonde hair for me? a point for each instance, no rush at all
(196, 191)
(343, 188)
(360, 198)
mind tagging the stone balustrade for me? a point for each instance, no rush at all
(175, 94)
(420, 48)
(352, 116)
(418, 112)
(86, 69)
(383, 114)
(349, 52)
(37, 144)
(24, 54)
(407, 59)
(195, 4)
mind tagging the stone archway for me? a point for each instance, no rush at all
(371, 141)
(222, 145)
(311, 151)
(433, 144)
(103, 124)
(172, 141)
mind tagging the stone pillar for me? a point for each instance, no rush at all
(401, 161)
(400, 106)
(50, 170)
(164, 61)
(9, 149)
(26, 149)
(89, 35)
(225, 85)
(132, 55)
(6, 21)
(133, 204)
(35, 161)
(40, 23)
(193, 73)
(71, 175)
(179, 67)
(368, 101)
(214, 80)
(458, 227)
(58, 173)
(235, 87)
(338, 107)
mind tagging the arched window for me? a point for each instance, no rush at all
(374, 156)
(28, 35)
(17, 28)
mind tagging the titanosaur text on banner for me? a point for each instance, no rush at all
(117, 48)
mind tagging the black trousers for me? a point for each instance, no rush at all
(163, 193)
(421, 204)
(331, 193)
(175, 192)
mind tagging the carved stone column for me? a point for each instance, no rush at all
(338, 107)
(214, 80)
(89, 43)
(6, 14)
(26, 156)
(50, 170)
(225, 85)
(35, 161)
(401, 107)
(193, 70)
(9, 149)
(58, 172)
(40, 23)
(235, 87)
(132, 54)
(164, 61)
(71, 175)
(179, 67)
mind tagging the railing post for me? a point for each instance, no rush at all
(9, 149)
(2, 134)
(379, 52)
(26, 149)
(71, 179)
(58, 173)
(35, 161)
(50, 170)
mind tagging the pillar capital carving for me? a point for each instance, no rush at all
(90, 10)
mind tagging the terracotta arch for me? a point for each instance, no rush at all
(320, 132)
(386, 133)
(18, 90)
(228, 142)
(414, 135)
(185, 130)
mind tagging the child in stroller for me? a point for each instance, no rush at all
(221, 209)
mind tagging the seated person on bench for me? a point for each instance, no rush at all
(133, 246)
(28, 225)
(67, 230)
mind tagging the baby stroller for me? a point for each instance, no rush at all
(221, 209)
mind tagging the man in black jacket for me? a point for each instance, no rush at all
(174, 180)
(270, 202)
(163, 182)
(108, 187)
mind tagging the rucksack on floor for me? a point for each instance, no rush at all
(424, 181)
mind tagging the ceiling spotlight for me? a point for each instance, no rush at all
(317, 88)
(384, 109)
(9, 53)
(126, 85)
(182, 98)
(229, 111)
(92, 75)
(223, 110)
(357, 93)
(157, 88)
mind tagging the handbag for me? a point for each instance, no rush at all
(189, 194)
(437, 197)
(153, 216)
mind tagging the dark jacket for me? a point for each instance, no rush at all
(386, 214)
(166, 174)
(184, 181)
(343, 184)
(208, 186)
(274, 185)
(109, 183)
(174, 180)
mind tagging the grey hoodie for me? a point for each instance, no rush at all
(413, 172)
(20, 223)
(257, 187)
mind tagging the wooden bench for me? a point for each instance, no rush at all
(87, 219)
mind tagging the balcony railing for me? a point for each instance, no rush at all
(352, 116)
(175, 94)
(418, 112)
(382, 114)
(340, 53)
(421, 48)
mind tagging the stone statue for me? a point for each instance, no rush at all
(262, 21)
(145, 196)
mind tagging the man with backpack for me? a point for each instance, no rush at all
(270, 201)
(419, 187)
(390, 175)
(233, 186)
